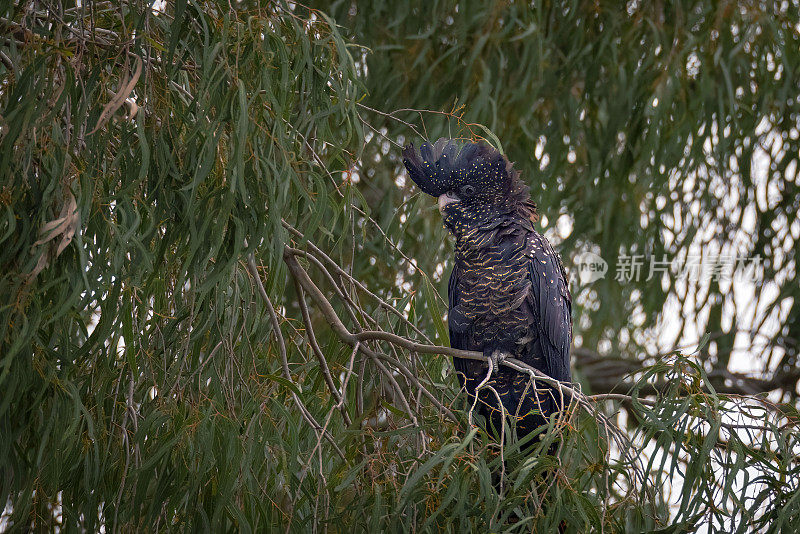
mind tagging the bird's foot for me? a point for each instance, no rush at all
(498, 357)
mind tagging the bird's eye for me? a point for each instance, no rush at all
(467, 190)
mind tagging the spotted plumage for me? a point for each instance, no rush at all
(508, 289)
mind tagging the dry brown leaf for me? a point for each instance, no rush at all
(119, 99)
(65, 226)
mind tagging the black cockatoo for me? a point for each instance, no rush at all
(508, 292)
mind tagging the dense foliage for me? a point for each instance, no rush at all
(220, 297)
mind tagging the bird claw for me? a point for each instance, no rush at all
(498, 357)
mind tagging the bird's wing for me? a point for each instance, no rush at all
(458, 334)
(551, 305)
(458, 326)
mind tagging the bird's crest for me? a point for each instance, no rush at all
(449, 163)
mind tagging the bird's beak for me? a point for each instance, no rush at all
(446, 199)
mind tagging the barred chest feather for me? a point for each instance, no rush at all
(494, 286)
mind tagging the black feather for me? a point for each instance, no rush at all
(508, 289)
(448, 164)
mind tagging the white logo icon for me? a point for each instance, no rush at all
(590, 267)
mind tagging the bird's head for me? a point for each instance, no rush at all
(475, 183)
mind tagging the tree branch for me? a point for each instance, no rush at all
(276, 328)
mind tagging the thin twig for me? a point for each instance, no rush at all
(276, 328)
(323, 363)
